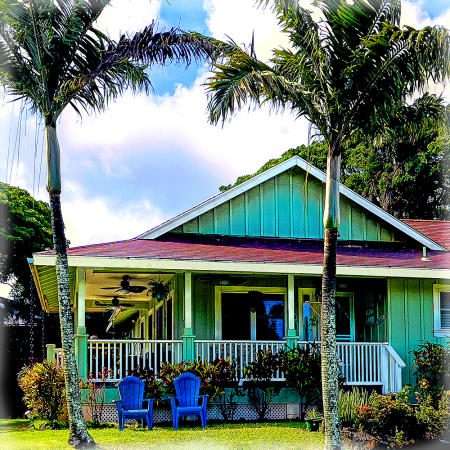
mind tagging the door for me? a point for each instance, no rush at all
(345, 317)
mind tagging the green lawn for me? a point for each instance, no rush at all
(15, 434)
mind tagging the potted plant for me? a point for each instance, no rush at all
(313, 419)
(158, 290)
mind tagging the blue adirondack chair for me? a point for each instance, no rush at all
(131, 403)
(186, 403)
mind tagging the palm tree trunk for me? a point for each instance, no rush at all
(79, 435)
(330, 370)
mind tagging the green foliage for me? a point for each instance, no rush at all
(226, 380)
(96, 396)
(405, 169)
(260, 388)
(435, 420)
(393, 418)
(431, 370)
(202, 369)
(349, 401)
(385, 416)
(302, 368)
(24, 228)
(44, 390)
(154, 387)
(313, 414)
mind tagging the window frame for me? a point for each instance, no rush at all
(219, 290)
(438, 330)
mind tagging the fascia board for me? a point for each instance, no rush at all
(175, 265)
(272, 172)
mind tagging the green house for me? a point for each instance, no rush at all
(243, 273)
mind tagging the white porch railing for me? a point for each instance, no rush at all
(119, 357)
(362, 363)
(370, 364)
(243, 352)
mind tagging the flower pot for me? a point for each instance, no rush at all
(313, 424)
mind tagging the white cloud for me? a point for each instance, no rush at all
(100, 219)
(126, 16)
(178, 123)
(238, 18)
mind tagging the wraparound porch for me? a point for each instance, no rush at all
(362, 363)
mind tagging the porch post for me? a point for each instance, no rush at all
(188, 332)
(291, 337)
(81, 337)
(51, 352)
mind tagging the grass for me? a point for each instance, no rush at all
(14, 434)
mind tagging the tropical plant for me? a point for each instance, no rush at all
(349, 401)
(154, 387)
(261, 390)
(345, 74)
(226, 379)
(431, 370)
(204, 370)
(96, 388)
(44, 391)
(52, 56)
(313, 414)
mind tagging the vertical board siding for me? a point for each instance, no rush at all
(268, 200)
(289, 205)
(410, 318)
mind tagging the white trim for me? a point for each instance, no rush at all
(175, 265)
(218, 199)
(438, 330)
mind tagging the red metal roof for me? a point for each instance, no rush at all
(437, 230)
(264, 251)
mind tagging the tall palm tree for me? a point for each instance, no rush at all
(343, 74)
(52, 56)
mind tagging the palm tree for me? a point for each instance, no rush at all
(343, 74)
(52, 56)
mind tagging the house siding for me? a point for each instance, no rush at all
(289, 205)
(410, 318)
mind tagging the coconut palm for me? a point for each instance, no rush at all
(52, 56)
(343, 73)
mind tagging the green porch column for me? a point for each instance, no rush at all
(188, 332)
(51, 352)
(81, 337)
(291, 338)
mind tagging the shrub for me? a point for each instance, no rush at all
(260, 388)
(44, 390)
(434, 421)
(96, 398)
(226, 380)
(203, 370)
(154, 387)
(349, 401)
(430, 364)
(386, 416)
(301, 367)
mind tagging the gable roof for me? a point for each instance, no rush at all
(295, 161)
(437, 230)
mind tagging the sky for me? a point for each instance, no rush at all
(148, 158)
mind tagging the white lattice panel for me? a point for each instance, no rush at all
(277, 411)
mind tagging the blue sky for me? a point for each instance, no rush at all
(149, 158)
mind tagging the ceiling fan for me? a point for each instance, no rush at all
(115, 303)
(126, 288)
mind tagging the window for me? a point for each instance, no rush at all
(441, 306)
(256, 313)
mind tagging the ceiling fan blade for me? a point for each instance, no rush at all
(137, 289)
(115, 287)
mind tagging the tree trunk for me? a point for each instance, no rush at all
(79, 435)
(330, 369)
